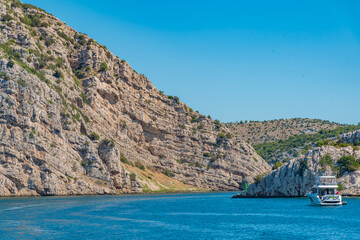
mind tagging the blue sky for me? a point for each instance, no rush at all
(235, 60)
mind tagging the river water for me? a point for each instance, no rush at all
(175, 216)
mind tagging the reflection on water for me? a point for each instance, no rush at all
(175, 216)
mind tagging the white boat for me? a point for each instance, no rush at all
(324, 192)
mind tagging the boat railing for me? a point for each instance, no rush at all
(327, 183)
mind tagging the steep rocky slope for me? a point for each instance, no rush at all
(257, 132)
(75, 119)
(296, 177)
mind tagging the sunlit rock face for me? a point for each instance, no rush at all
(75, 119)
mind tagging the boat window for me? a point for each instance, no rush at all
(327, 181)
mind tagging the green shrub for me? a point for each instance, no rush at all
(326, 160)
(206, 154)
(259, 177)
(6, 18)
(4, 76)
(139, 165)
(277, 165)
(168, 173)
(348, 164)
(340, 187)
(194, 118)
(32, 133)
(132, 177)
(66, 37)
(179, 161)
(21, 83)
(302, 167)
(58, 74)
(94, 136)
(84, 98)
(109, 142)
(103, 67)
(228, 135)
(222, 135)
(286, 159)
(123, 159)
(49, 42)
(80, 73)
(33, 20)
(10, 64)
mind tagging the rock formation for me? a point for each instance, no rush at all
(296, 177)
(75, 119)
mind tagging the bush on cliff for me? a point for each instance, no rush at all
(168, 173)
(348, 164)
(277, 165)
(94, 136)
(139, 165)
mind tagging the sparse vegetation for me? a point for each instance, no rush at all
(123, 159)
(109, 142)
(139, 165)
(94, 136)
(348, 164)
(21, 82)
(259, 177)
(103, 67)
(84, 98)
(10, 64)
(168, 173)
(132, 176)
(58, 74)
(302, 167)
(277, 165)
(270, 150)
(326, 160)
(32, 133)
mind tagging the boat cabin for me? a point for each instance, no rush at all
(325, 185)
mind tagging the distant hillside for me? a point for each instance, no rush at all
(256, 132)
(294, 146)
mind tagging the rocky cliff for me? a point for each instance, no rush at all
(75, 119)
(296, 177)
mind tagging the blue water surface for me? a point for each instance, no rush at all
(175, 216)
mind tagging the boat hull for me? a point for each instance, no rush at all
(325, 201)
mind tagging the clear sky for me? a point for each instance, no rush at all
(235, 60)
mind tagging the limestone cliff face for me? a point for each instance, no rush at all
(296, 177)
(75, 119)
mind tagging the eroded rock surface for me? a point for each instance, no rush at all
(70, 110)
(296, 177)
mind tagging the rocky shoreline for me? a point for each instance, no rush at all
(297, 176)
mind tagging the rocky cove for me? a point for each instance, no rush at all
(296, 177)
